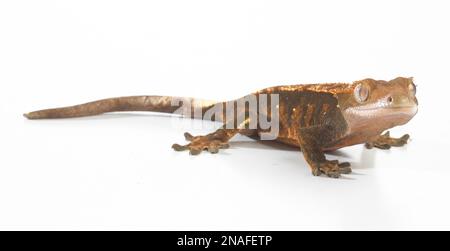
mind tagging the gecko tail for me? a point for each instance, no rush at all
(162, 104)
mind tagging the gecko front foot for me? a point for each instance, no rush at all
(386, 142)
(332, 168)
(211, 142)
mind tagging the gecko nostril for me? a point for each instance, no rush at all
(390, 100)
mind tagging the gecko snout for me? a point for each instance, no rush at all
(399, 101)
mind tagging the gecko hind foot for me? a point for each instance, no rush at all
(332, 169)
(385, 142)
(199, 143)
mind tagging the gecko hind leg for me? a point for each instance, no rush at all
(214, 141)
(211, 142)
(385, 141)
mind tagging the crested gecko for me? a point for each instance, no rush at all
(315, 118)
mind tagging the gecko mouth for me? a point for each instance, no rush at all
(381, 118)
(391, 108)
(382, 112)
(396, 105)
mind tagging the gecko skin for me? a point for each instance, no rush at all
(316, 118)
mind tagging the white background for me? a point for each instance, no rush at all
(118, 171)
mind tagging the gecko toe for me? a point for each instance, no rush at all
(344, 165)
(385, 142)
(179, 148)
(404, 139)
(334, 175)
(213, 150)
(332, 169)
(383, 146)
(188, 136)
(200, 143)
(369, 145)
(345, 170)
(195, 151)
(316, 172)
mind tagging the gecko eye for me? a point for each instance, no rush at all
(412, 89)
(361, 93)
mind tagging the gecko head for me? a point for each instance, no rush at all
(380, 105)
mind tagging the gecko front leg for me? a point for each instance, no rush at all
(315, 156)
(320, 165)
(385, 141)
